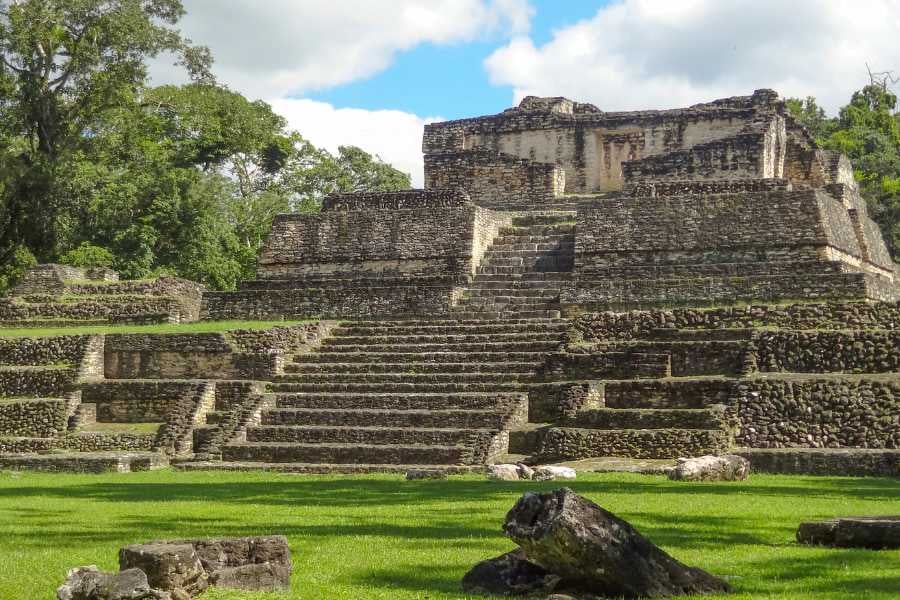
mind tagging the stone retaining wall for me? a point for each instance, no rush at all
(810, 412)
(42, 418)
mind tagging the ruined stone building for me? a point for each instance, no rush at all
(571, 283)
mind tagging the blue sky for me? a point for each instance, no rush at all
(372, 73)
(449, 79)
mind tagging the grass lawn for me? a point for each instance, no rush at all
(193, 327)
(383, 537)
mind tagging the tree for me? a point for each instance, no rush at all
(63, 65)
(867, 130)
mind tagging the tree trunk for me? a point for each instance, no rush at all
(597, 552)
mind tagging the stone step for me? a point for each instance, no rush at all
(393, 401)
(404, 378)
(527, 241)
(450, 419)
(378, 435)
(517, 268)
(404, 387)
(569, 443)
(214, 417)
(409, 368)
(538, 346)
(528, 324)
(541, 245)
(539, 262)
(648, 418)
(510, 314)
(509, 303)
(516, 286)
(538, 230)
(504, 252)
(420, 358)
(318, 468)
(345, 453)
(483, 340)
(542, 292)
(547, 218)
(85, 462)
(551, 277)
(471, 328)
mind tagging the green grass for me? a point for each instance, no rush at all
(120, 427)
(382, 537)
(195, 327)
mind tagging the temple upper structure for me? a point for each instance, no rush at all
(725, 202)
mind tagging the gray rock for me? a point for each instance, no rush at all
(525, 472)
(876, 533)
(510, 574)
(262, 577)
(550, 472)
(223, 554)
(729, 467)
(171, 567)
(89, 583)
(595, 552)
(503, 472)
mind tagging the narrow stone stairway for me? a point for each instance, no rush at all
(523, 270)
(393, 395)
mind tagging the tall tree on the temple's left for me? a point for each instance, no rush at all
(64, 64)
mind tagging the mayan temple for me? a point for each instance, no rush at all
(570, 284)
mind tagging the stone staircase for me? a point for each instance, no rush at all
(523, 270)
(391, 395)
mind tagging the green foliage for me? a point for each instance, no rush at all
(867, 130)
(88, 255)
(11, 273)
(176, 179)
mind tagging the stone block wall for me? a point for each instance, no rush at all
(496, 180)
(42, 418)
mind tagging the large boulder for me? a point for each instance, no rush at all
(89, 583)
(260, 563)
(876, 533)
(729, 467)
(510, 574)
(171, 567)
(595, 552)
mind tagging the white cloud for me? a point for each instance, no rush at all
(394, 135)
(636, 54)
(276, 48)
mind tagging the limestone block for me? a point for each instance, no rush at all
(169, 567)
(711, 468)
(503, 472)
(89, 583)
(551, 472)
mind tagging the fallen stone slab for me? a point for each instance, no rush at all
(90, 583)
(510, 574)
(595, 552)
(171, 567)
(728, 467)
(503, 472)
(876, 533)
(552, 472)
